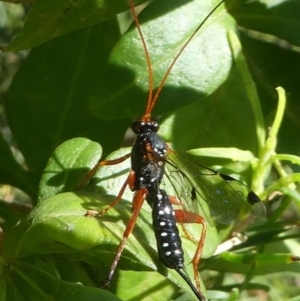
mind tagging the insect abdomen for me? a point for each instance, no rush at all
(166, 232)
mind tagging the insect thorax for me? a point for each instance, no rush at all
(148, 155)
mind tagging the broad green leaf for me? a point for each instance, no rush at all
(55, 225)
(68, 165)
(58, 226)
(52, 104)
(225, 119)
(200, 70)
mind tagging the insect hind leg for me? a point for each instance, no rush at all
(187, 217)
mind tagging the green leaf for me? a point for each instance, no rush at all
(228, 153)
(225, 119)
(53, 104)
(58, 228)
(200, 70)
(55, 224)
(32, 284)
(68, 166)
(156, 287)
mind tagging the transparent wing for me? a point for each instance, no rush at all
(215, 196)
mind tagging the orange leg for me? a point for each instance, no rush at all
(177, 202)
(137, 203)
(112, 204)
(191, 217)
(129, 181)
(90, 174)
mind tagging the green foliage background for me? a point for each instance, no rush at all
(85, 80)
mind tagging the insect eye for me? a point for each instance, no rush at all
(137, 126)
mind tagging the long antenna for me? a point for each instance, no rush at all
(152, 99)
(148, 60)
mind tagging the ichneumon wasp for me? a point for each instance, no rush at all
(151, 159)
